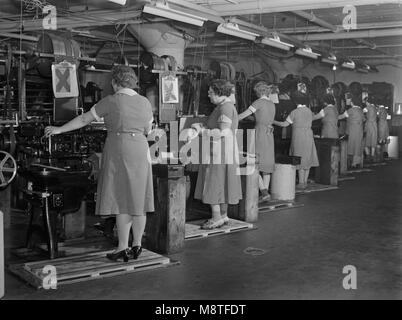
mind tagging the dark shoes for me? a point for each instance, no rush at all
(135, 252)
(126, 254)
(123, 254)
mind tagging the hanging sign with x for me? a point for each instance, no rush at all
(64, 79)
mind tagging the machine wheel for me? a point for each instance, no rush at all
(8, 169)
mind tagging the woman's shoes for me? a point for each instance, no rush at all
(123, 254)
(211, 224)
(135, 252)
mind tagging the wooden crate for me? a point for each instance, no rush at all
(87, 267)
(194, 231)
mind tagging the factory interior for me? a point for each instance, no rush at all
(323, 222)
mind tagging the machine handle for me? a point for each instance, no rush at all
(47, 167)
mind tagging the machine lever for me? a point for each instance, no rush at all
(47, 167)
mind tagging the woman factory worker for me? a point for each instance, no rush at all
(302, 144)
(125, 187)
(354, 130)
(370, 128)
(218, 184)
(264, 110)
(329, 116)
(383, 129)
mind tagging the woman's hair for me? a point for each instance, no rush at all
(124, 76)
(261, 88)
(357, 100)
(328, 98)
(222, 87)
(300, 98)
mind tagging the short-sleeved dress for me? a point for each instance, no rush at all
(383, 129)
(370, 127)
(302, 144)
(220, 183)
(125, 181)
(329, 122)
(354, 129)
(264, 110)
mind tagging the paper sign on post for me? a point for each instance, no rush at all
(64, 80)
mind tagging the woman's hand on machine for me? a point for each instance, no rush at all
(50, 130)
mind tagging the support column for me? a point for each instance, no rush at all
(343, 167)
(165, 228)
(328, 156)
(247, 209)
(5, 205)
(1, 255)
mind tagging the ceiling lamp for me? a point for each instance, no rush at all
(362, 67)
(276, 42)
(307, 52)
(348, 64)
(331, 59)
(233, 29)
(121, 2)
(373, 69)
(165, 11)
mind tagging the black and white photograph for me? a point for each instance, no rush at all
(199, 158)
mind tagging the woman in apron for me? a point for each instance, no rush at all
(329, 116)
(383, 129)
(218, 182)
(125, 187)
(354, 130)
(370, 128)
(302, 144)
(264, 110)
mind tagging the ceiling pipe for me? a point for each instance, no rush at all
(363, 47)
(312, 18)
(258, 6)
(18, 36)
(75, 20)
(352, 35)
(362, 26)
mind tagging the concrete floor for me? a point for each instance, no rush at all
(359, 224)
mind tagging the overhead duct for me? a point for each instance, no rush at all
(161, 39)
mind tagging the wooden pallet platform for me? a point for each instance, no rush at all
(65, 249)
(275, 205)
(193, 230)
(359, 170)
(375, 164)
(346, 177)
(87, 267)
(315, 187)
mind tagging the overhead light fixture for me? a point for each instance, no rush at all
(373, 69)
(362, 67)
(349, 64)
(276, 42)
(331, 59)
(166, 11)
(307, 52)
(233, 29)
(121, 2)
